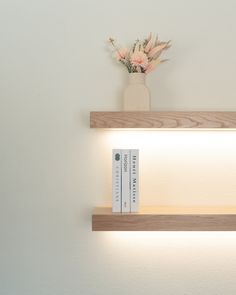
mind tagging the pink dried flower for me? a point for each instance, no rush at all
(156, 50)
(139, 58)
(150, 44)
(143, 56)
(152, 65)
(121, 53)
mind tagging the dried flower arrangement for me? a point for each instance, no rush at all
(143, 57)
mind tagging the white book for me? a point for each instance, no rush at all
(116, 180)
(125, 181)
(134, 172)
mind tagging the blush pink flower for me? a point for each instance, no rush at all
(152, 65)
(121, 53)
(139, 58)
(150, 43)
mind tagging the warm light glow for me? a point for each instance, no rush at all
(139, 243)
(151, 239)
(172, 253)
(143, 138)
(180, 237)
(181, 168)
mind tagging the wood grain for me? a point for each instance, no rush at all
(163, 119)
(166, 219)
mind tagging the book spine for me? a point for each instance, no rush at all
(125, 181)
(134, 180)
(116, 180)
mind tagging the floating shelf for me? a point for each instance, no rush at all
(166, 219)
(163, 119)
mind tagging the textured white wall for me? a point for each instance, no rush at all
(54, 69)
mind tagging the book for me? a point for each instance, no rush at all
(116, 180)
(134, 179)
(125, 180)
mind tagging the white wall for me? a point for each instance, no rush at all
(54, 69)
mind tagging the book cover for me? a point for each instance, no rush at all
(116, 180)
(134, 172)
(125, 181)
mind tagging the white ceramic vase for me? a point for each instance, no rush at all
(136, 95)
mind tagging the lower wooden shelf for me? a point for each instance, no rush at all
(166, 219)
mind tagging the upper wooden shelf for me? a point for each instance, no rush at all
(166, 219)
(163, 120)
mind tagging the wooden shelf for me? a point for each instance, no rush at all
(163, 119)
(166, 219)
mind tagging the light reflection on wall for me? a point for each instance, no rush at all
(192, 167)
(174, 246)
(176, 254)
